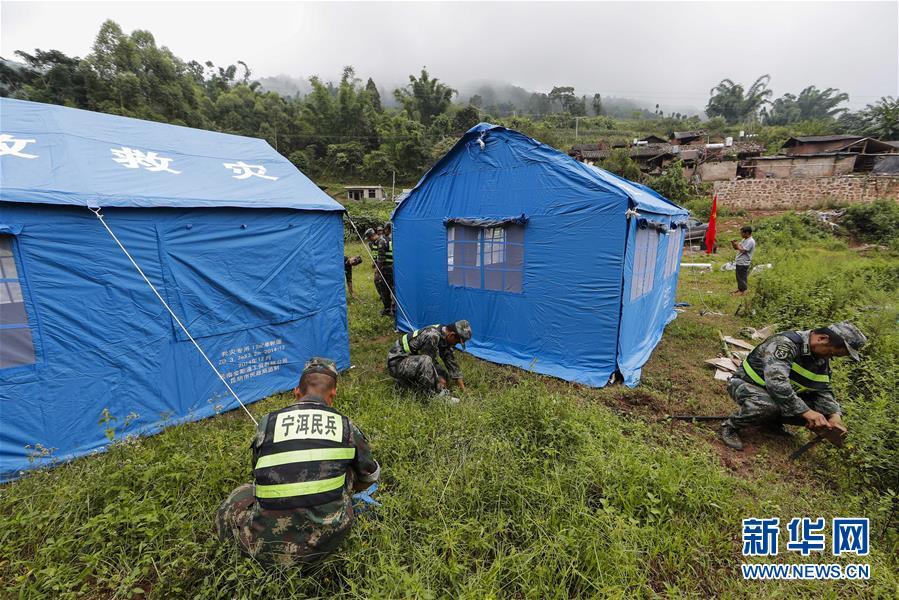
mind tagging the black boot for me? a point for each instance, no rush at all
(729, 435)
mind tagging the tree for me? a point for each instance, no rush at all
(539, 104)
(477, 101)
(882, 119)
(597, 104)
(302, 160)
(563, 96)
(50, 77)
(374, 95)
(465, 119)
(377, 166)
(345, 159)
(405, 142)
(811, 103)
(578, 108)
(425, 97)
(736, 104)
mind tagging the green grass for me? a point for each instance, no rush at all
(531, 488)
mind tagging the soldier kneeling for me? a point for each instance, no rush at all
(786, 379)
(307, 461)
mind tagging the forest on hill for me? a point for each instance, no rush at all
(351, 130)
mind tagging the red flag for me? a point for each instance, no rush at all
(710, 232)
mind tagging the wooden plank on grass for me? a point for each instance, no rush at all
(722, 363)
(738, 343)
(722, 375)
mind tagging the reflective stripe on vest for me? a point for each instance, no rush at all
(296, 456)
(388, 255)
(303, 488)
(405, 338)
(801, 378)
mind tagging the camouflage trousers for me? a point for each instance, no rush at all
(281, 537)
(757, 407)
(419, 372)
(383, 285)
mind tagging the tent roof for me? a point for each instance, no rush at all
(642, 197)
(56, 155)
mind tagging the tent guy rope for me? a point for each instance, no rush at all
(99, 216)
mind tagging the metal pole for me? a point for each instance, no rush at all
(576, 121)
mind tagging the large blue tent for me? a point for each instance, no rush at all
(560, 267)
(242, 246)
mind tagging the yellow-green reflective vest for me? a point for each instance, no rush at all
(803, 377)
(406, 339)
(303, 458)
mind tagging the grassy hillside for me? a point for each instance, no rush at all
(531, 488)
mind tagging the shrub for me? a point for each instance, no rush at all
(365, 215)
(672, 183)
(877, 222)
(303, 160)
(620, 163)
(787, 230)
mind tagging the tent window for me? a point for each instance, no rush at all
(675, 242)
(647, 249)
(490, 258)
(16, 344)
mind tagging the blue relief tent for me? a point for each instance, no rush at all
(245, 249)
(561, 268)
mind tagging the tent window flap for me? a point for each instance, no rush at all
(647, 248)
(675, 243)
(490, 258)
(16, 343)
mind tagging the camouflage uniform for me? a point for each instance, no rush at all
(777, 401)
(384, 259)
(419, 368)
(299, 535)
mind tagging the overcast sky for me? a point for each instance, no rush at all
(666, 52)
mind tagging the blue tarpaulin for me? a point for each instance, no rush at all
(245, 249)
(579, 285)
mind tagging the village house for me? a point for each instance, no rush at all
(687, 138)
(364, 192)
(825, 156)
(820, 144)
(702, 161)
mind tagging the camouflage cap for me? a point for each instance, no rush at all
(851, 336)
(463, 328)
(368, 232)
(317, 364)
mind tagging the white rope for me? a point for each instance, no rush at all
(96, 212)
(375, 263)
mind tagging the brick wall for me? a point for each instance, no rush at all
(786, 194)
